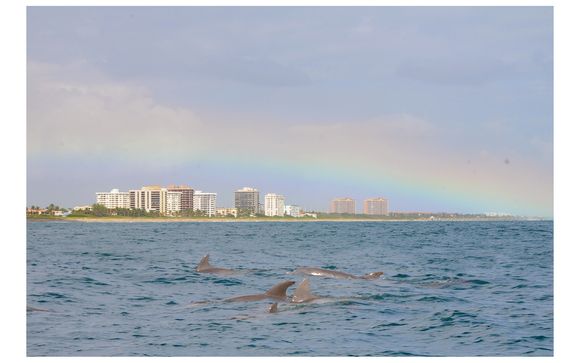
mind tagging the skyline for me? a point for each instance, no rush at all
(451, 115)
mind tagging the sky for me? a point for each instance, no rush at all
(441, 109)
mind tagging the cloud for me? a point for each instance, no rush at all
(456, 69)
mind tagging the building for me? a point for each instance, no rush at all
(114, 199)
(376, 207)
(293, 211)
(82, 208)
(174, 202)
(151, 198)
(186, 195)
(342, 206)
(205, 202)
(247, 200)
(225, 212)
(274, 205)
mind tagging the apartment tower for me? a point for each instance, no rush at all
(186, 195)
(342, 206)
(274, 205)
(205, 202)
(376, 207)
(114, 199)
(247, 199)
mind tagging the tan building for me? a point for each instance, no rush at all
(342, 205)
(152, 198)
(376, 207)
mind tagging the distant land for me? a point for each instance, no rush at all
(322, 217)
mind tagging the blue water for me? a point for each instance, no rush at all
(449, 289)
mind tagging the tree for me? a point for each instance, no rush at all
(100, 210)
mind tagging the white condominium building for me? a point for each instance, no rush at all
(205, 202)
(114, 199)
(174, 202)
(274, 205)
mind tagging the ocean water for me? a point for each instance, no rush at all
(449, 289)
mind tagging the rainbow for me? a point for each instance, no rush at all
(457, 195)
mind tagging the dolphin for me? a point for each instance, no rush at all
(205, 267)
(32, 308)
(314, 271)
(277, 292)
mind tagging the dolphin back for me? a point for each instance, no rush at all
(373, 275)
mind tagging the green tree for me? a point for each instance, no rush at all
(100, 210)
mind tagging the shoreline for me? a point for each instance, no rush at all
(248, 220)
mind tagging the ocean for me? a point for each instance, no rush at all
(448, 289)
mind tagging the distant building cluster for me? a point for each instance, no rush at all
(371, 206)
(173, 200)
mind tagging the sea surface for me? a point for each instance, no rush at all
(448, 289)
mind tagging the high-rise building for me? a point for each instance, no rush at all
(376, 207)
(205, 202)
(247, 200)
(114, 199)
(342, 206)
(152, 198)
(174, 201)
(274, 205)
(186, 195)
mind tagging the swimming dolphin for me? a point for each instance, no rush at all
(314, 271)
(302, 293)
(205, 267)
(32, 308)
(277, 292)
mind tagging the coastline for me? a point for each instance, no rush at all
(260, 220)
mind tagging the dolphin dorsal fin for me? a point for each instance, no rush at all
(302, 292)
(273, 308)
(279, 290)
(203, 264)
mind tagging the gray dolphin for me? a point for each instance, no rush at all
(205, 267)
(314, 271)
(277, 292)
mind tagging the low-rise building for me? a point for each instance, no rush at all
(225, 212)
(293, 211)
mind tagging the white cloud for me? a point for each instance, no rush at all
(71, 115)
